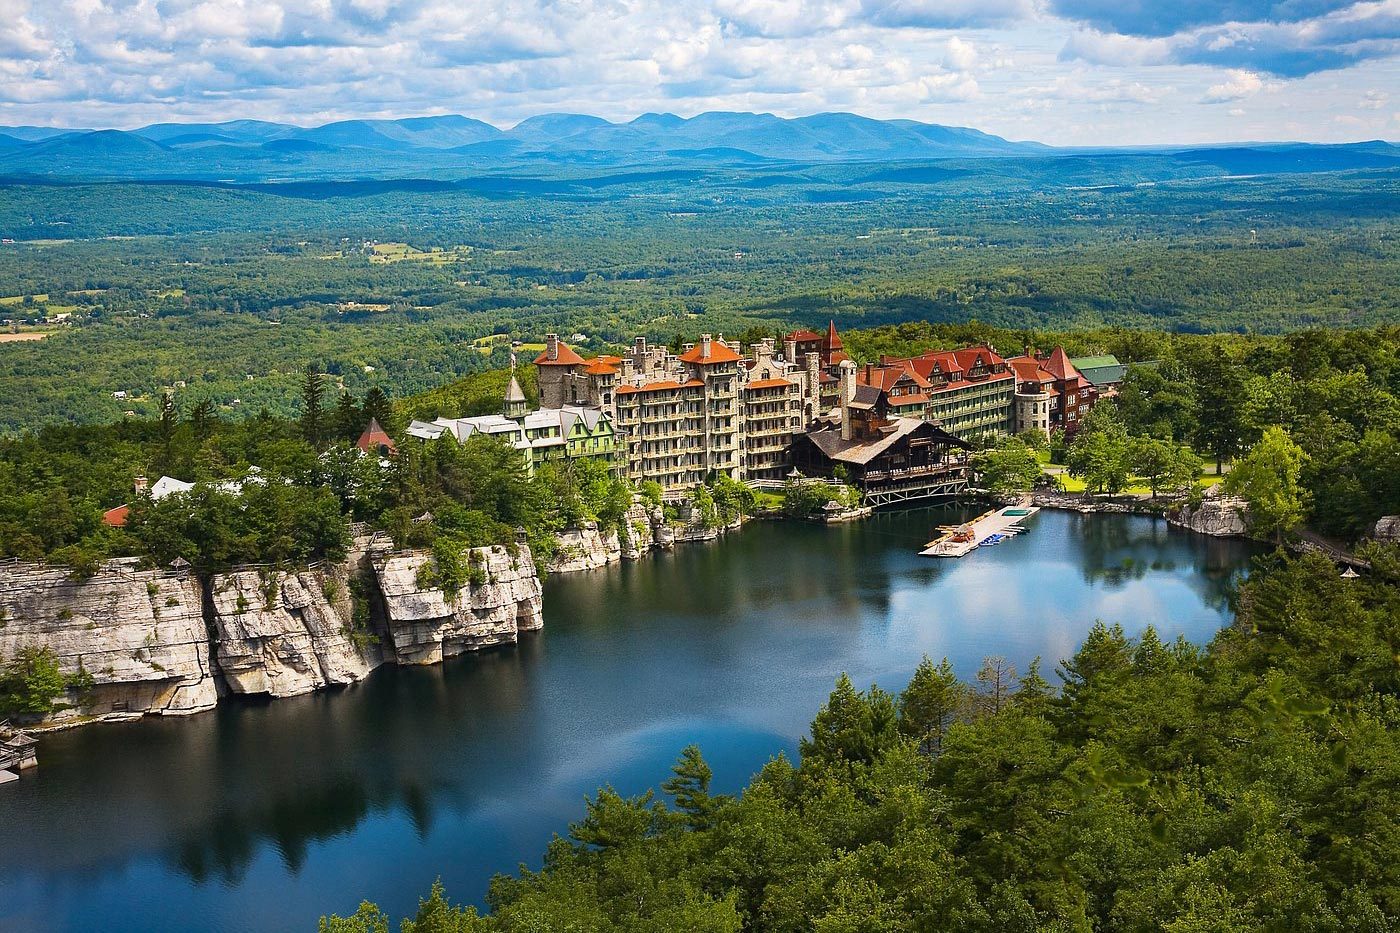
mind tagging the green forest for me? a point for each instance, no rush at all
(226, 293)
(1251, 784)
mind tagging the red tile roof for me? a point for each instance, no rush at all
(116, 518)
(833, 340)
(1028, 369)
(768, 383)
(803, 336)
(719, 353)
(374, 439)
(1059, 364)
(599, 367)
(566, 357)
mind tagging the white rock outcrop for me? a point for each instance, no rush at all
(426, 624)
(1387, 529)
(283, 634)
(139, 634)
(584, 548)
(1217, 515)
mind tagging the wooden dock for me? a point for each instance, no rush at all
(961, 540)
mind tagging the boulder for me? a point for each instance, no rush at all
(139, 634)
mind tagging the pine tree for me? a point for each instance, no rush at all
(349, 419)
(169, 424)
(690, 786)
(203, 417)
(996, 679)
(313, 416)
(378, 407)
(930, 704)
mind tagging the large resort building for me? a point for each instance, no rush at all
(712, 409)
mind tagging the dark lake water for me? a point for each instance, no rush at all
(262, 816)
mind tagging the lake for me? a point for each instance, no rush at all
(264, 815)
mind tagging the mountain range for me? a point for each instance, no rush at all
(453, 146)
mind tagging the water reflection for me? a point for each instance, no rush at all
(467, 768)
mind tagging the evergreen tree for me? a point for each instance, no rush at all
(690, 786)
(378, 407)
(930, 703)
(313, 416)
(349, 419)
(204, 417)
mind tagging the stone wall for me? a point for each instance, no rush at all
(426, 624)
(284, 634)
(140, 634)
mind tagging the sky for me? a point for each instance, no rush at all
(1065, 72)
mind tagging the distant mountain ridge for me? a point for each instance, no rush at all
(454, 147)
(825, 136)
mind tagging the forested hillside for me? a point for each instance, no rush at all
(401, 284)
(1253, 784)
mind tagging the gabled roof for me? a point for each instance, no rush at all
(1028, 369)
(565, 357)
(831, 444)
(719, 353)
(116, 518)
(803, 336)
(887, 377)
(768, 383)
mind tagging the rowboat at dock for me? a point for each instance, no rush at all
(989, 528)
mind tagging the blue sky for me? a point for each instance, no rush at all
(1061, 71)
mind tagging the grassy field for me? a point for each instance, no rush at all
(1136, 487)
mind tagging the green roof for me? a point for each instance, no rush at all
(1100, 370)
(1094, 362)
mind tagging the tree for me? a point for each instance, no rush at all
(1101, 451)
(689, 785)
(1008, 468)
(853, 726)
(30, 682)
(996, 679)
(1268, 478)
(169, 424)
(378, 407)
(349, 420)
(1220, 390)
(930, 703)
(313, 416)
(204, 418)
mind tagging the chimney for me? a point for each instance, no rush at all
(848, 381)
(790, 350)
(551, 346)
(870, 374)
(705, 346)
(142, 485)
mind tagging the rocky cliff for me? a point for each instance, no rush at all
(139, 634)
(1218, 515)
(155, 641)
(1387, 529)
(426, 624)
(284, 634)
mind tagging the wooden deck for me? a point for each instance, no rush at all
(982, 527)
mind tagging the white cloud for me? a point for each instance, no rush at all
(1241, 84)
(1001, 65)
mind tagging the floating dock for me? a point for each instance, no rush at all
(960, 540)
